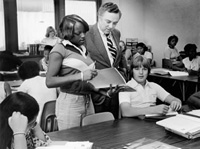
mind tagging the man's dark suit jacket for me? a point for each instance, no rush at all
(97, 50)
(98, 53)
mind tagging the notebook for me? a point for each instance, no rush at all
(184, 125)
(107, 76)
(163, 71)
(68, 145)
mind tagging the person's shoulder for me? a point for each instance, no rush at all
(58, 46)
(92, 29)
(153, 84)
(116, 30)
(44, 40)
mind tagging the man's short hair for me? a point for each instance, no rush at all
(109, 7)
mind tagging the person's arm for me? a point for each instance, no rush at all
(7, 89)
(174, 102)
(37, 131)
(129, 111)
(40, 65)
(167, 54)
(55, 62)
(18, 124)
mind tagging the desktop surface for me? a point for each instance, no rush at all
(116, 134)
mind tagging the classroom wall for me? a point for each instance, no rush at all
(153, 21)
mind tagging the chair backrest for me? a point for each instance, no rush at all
(97, 118)
(48, 121)
(166, 63)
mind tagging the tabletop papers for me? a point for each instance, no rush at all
(68, 145)
(163, 71)
(184, 125)
(146, 143)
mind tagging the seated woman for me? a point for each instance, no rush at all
(43, 63)
(192, 61)
(127, 54)
(19, 130)
(171, 53)
(143, 100)
(35, 85)
(143, 50)
(50, 38)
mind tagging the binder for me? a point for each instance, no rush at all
(182, 124)
(106, 77)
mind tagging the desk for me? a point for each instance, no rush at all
(115, 134)
(35, 58)
(182, 80)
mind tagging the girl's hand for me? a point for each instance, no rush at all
(162, 109)
(176, 105)
(89, 74)
(18, 122)
(112, 90)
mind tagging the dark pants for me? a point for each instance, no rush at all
(194, 101)
(109, 105)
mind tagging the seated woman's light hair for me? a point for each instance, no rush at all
(140, 61)
(50, 29)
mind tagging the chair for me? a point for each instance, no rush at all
(97, 118)
(48, 121)
(166, 63)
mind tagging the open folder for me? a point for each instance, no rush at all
(163, 71)
(107, 76)
(184, 125)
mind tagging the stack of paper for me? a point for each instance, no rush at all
(178, 73)
(146, 143)
(168, 114)
(184, 125)
(194, 113)
(163, 71)
(161, 116)
(68, 145)
(160, 71)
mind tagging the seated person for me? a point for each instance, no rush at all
(193, 102)
(171, 53)
(43, 63)
(192, 61)
(8, 61)
(143, 50)
(127, 54)
(35, 85)
(5, 90)
(50, 38)
(19, 130)
(143, 100)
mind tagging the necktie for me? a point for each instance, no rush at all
(111, 48)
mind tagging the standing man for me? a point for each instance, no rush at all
(102, 42)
